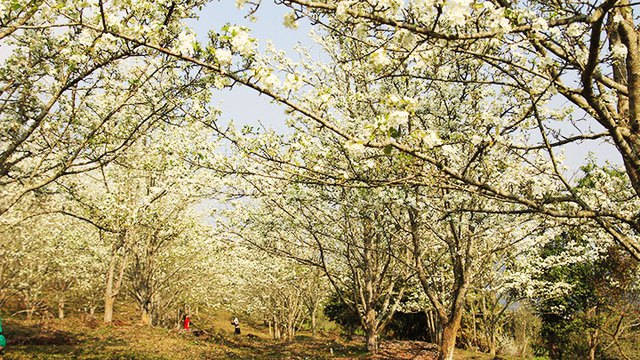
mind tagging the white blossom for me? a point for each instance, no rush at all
(456, 11)
(272, 81)
(379, 58)
(223, 56)
(619, 50)
(355, 147)
(341, 10)
(398, 117)
(617, 18)
(292, 82)
(185, 42)
(540, 24)
(361, 31)
(241, 41)
(431, 139)
(575, 29)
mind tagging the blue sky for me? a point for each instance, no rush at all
(243, 105)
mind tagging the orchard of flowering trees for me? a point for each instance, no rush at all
(428, 166)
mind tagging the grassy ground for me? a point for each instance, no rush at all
(470, 355)
(89, 339)
(76, 339)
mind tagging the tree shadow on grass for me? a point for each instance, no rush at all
(303, 347)
(36, 340)
(35, 334)
(405, 350)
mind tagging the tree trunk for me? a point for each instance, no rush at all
(30, 312)
(292, 332)
(61, 307)
(475, 328)
(108, 307)
(276, 329)
(145, 317)
(448, 344)
(313, 322)
(593, 344)
(433, 327)
(372, 340)
(525, 339)
(111, 288)
(109, 299)
(371, 330)
(492, 343)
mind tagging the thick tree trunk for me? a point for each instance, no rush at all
(448, 344)
(290, 330)
(108, 307)
(372, 340)
(371, 330)
(451, 325)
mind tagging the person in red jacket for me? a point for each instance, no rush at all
(186, 321)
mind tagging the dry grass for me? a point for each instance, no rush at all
(89, 339)
(77, 339)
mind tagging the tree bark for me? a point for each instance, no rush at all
(30, 312)
(593, 344)
(448, 344)
(145, 317)
(276, 329)
(475, 327)
(112, 289)
(109, 298)
(434, 330)
(372, 340)
(313, 322)
(61, 301)
(492, 343)
(371, 330)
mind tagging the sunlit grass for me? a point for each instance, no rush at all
(212, 339)
(76, 339)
